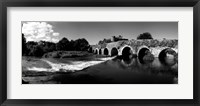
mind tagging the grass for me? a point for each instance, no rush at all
(66, 54)
(34, 62)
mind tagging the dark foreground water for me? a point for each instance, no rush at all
(118, 71)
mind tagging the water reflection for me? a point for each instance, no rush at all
(125, 71)
(156, 63)
(134, 71)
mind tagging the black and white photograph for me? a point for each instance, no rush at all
(59, 52)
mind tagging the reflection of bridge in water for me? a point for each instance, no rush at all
(138, 48)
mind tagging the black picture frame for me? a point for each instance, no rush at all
(99, 3)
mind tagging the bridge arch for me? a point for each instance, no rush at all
(126, 47)
(96, 51)
(142, 51)
(90, 50)
(126, 52)
(100, 51)
(114, 51)
(105, 51)
(163, 54)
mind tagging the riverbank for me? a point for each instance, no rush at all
(67, 54)
(40, 70)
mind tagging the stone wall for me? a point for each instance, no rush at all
(154, 45)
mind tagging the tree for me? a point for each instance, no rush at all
(81, 45)
(71, 45)
(47, 46)
(24, 48)
(31, 45)
(77, 45)
(145, 35)
(63, 44)
(38, 51)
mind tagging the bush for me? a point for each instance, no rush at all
(145, 35)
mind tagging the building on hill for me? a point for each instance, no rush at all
(118, 38)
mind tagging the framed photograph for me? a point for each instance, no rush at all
(99, 52)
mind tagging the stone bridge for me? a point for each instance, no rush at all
(137, 47)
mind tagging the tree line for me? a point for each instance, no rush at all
(38, 49)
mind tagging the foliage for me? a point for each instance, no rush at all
(104, 41)
(81, 45)
(24, 49)
(63, 44)
(38, 49)
(145, 35)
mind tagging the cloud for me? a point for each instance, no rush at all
(54, 40)
(56, 34)
(37, 31)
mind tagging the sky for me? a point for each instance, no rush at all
(93, 32)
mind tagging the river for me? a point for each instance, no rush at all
(111, 70)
